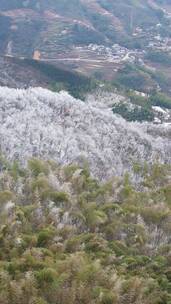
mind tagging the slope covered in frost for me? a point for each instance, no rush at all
(37, 122)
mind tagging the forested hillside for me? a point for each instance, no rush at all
(66, 238)
(37, 122)
(51, 26)
(85, 152)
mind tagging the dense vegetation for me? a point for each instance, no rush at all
(143, 79)
(136, 78)
(76, 84)
(140, 108)
(159, 57)
(133, 80)
(161, 100)
(66, 238)
(134, 114)
(109, 22)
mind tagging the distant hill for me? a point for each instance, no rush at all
(52, 26)
(96, 38)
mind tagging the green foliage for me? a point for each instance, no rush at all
(161, 100)
(153, 215)
(44, 237)
(136, 78)
(56, 197)
(136, 114)
(37, 166)
(46, 275)
(159, 57)
(76, 84)
(40, 183)
(167, 192)
(97, 243)
(5, 196)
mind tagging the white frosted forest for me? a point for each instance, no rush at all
(37, 122)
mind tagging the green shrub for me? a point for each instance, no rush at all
(107, 297)
(46, 275)
(37, 166)
(5, 196)
(44, 237)
(161, 100)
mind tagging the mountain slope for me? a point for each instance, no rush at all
(66, 238)
(24, 73)
(50, 26)
(68, 130)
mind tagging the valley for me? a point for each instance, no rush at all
(95, 40)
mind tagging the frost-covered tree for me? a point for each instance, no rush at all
(37, 122)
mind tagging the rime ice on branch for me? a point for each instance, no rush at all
(37, 122)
